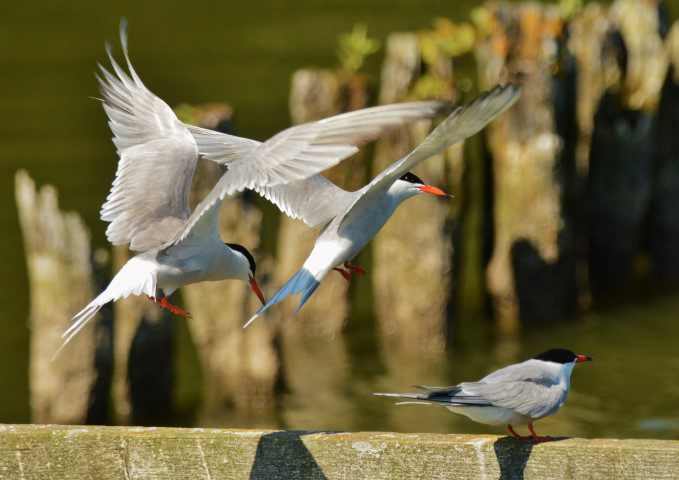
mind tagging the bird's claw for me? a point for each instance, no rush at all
(535, 437)
(345, 274)
(164, 303)
(355, 268)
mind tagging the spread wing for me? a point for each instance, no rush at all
(298, 153)
(314, 200)
(221, 147)
(324, 142)
(464, 122)
(148, 202)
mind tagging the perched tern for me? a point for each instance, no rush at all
(515, 395)
(148, 206)
(349, 220)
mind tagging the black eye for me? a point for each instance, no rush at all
(411, 178)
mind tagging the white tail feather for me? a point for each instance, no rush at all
(136, 277)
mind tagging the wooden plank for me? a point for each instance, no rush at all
(44, 451)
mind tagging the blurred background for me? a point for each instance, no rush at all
(564, 229)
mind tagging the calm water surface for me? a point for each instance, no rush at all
(244, 54)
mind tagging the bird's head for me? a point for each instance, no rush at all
(248, 267)
(563, 356)
(410, 184)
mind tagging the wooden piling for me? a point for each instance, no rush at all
(413, 262)
(57, 249)
(663, 233)
(530, 275)
(620, 178)
(240, 366)
(317, 94)
(142, 331)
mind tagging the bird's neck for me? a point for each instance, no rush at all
(566, 371)
(398, 193)
(230, 264)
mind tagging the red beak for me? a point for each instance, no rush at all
(434, 191)
(255, 288)
(583, 358)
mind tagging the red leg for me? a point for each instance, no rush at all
(151, 298)
(173, 308)
(535, 436)
(355, 268)
(345, 274)
(516, 435)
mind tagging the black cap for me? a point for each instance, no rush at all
(246, 252)
(558, 355)
(411, 178)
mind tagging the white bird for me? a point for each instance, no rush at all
(349, 220)
(148, 206)
(515, 395)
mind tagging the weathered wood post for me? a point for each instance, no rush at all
(663, 234)
(530, 275)
(413, 265)
(240, 367)
(143, 357)
(58, 252)
(317, 94)
(315, 353)
(634, 62)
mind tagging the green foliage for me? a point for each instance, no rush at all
(355, 46)
(446, 40)
(569, 8)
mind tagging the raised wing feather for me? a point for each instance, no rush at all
(299, 153)
(221, 147)
(464, 122)
(148, 202)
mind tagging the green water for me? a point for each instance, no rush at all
(245, 54)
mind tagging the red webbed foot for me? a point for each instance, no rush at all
(173, 308)
(516, 435)
(355, 268)
(345, 274)
(536, 438)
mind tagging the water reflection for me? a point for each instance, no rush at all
(635, 348)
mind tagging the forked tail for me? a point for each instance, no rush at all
(302, 282)
(136, 277)
(414, 398)
(80, 320)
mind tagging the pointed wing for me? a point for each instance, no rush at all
(299, 153)
(148, 202)
(314, 144)
(464, 122)
(221, 147)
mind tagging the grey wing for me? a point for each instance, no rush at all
(148, 202)
(527, 388)
(303, 151)
(464, 122)
(528, 397)
(314, 200)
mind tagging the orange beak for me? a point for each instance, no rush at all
(583, 358)
(434, 191)
(255, 288)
